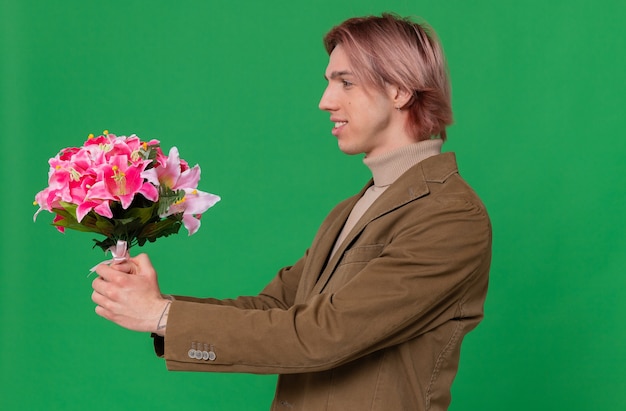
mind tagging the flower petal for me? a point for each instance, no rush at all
(188, 178)
(169, 174)
(191, 223)
(197, 202)
(57, 218)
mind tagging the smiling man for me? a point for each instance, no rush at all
(367, 120)
(373, 315)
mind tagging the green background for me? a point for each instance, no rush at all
(538, 94)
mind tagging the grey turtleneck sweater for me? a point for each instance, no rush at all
(386, 168)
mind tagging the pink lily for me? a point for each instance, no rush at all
(192, 206)
(176, 174)
(121, 181)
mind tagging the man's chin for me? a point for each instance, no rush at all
(351, 151)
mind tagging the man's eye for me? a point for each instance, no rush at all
(346, 83)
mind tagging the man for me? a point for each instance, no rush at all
(373, 315)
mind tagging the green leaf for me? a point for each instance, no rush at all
(69, 221)
(105, 244)
(142, 214)
(167, 197)
(163, 228)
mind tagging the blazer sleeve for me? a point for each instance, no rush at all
(431, 269)
(279, 293)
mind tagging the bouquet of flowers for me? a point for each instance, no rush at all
(124, 189)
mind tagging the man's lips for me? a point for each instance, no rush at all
(339, 124)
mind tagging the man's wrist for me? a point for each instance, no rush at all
(162, 323)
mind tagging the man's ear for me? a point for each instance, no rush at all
(400, 96)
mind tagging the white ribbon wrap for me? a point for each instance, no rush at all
(119, 252)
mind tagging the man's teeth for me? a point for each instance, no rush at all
(340, 123)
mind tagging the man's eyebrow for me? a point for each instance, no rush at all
(336, 74)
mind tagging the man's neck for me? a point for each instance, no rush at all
(388, 166)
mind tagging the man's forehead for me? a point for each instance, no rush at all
(338, 64)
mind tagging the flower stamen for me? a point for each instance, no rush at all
(120, 180)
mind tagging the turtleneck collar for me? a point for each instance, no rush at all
(387, 167)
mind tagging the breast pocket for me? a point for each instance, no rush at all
(351, 263)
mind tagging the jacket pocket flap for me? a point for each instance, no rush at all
(361, 254)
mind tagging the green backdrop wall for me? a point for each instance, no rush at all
(539, 102)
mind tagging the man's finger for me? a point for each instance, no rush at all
(107, 273)
(124, 267)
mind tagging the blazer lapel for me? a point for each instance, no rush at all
(323, 244)
(408, 187)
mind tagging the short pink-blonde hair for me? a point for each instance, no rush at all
(394, 50)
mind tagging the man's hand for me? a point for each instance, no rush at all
(128, 294)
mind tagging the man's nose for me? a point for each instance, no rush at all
(327, 102)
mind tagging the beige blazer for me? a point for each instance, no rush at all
(379, 326)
